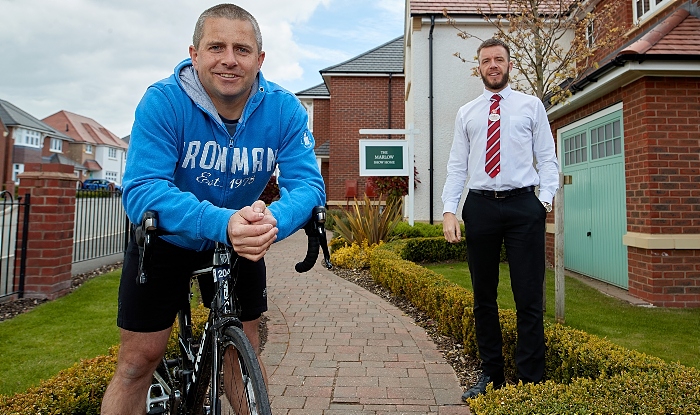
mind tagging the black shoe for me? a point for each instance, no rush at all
(479, 387)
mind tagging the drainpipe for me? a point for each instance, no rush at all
(430, 101)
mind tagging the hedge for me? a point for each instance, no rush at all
(584, 374)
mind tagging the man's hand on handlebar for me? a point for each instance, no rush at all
(252, 230)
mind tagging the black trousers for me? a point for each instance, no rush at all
(517, 221)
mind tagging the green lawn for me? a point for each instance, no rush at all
(57, 334)
(671, 334)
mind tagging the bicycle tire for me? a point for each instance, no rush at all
(252, 398)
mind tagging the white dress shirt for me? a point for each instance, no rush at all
(525, 134)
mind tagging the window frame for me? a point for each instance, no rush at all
(654, 6)
(56, 145)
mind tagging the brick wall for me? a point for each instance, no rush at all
(661, 119)
(50, 233)
(322, 129)
(358, 102)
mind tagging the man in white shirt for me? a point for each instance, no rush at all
(497, 137)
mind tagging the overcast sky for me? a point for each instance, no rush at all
(97, 57)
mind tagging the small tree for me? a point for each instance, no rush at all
(393, 187)
(536, 32)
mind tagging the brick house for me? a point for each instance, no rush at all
(366, 91)
(28, 140)
(101, 153)
(630, 139)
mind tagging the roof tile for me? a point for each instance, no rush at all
(13, 116)
(85, 129)
(387, 58)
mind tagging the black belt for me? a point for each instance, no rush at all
(500, 194)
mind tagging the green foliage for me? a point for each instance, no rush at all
(674, 390)
(99, 193)
(369, 221)
(55, 335)
(418, 230)
(580, 368)
(331, 216)
(354, 256)
(433, 249)
(76, 390)
(670, 334)
(79, 389)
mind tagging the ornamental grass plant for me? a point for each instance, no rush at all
(368, 221)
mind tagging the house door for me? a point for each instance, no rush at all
(595, 210)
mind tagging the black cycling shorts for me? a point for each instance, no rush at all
(153, 306)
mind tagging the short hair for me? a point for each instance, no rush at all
(493, 42)
(228, 11)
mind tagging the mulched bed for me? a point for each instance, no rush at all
(466, 367)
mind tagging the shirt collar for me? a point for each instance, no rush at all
(504, 93)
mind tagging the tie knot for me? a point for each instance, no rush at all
(495, 97)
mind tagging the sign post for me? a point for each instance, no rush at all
(390, 158)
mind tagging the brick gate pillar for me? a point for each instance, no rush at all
(49, 252)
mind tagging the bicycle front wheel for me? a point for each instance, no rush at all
(241, 386)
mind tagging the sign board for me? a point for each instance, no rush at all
(384, 158)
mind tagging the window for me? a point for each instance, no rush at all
(111, 176)
(606, 140)
(642, 8)
(590, 35)
(27, 138)
(310, 112)
(575, 149)
(17, 169)
(88, 148)
(112, 153)
(56, 145)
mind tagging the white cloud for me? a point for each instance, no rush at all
(97, 57)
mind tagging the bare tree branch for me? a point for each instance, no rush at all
(537, 31)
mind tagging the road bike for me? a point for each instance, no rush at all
(194, 381)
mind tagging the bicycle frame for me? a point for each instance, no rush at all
(183, 384)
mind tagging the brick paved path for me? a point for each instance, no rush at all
(334, 348)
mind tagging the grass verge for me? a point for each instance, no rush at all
(38, 344)
(670, 334)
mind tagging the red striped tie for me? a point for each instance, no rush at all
(493, 138)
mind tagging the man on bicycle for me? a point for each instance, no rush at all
(204, 144)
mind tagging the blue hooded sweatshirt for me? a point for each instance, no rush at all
(183, 163)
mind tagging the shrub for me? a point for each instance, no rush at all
(76, 390)
(354, 256)
(675, 390)
(435, 249)
(418, 230)
(584, 374)
(368, 221)
(331, 214)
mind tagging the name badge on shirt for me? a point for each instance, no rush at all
(494, 117)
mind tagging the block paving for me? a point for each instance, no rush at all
(334, 348)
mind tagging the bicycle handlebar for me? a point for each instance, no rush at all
(315, 231)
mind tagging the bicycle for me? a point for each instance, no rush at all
(193, 382)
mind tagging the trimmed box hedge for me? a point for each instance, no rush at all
(584, 373)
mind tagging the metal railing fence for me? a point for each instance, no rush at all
(13, 258)
(101, 227)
